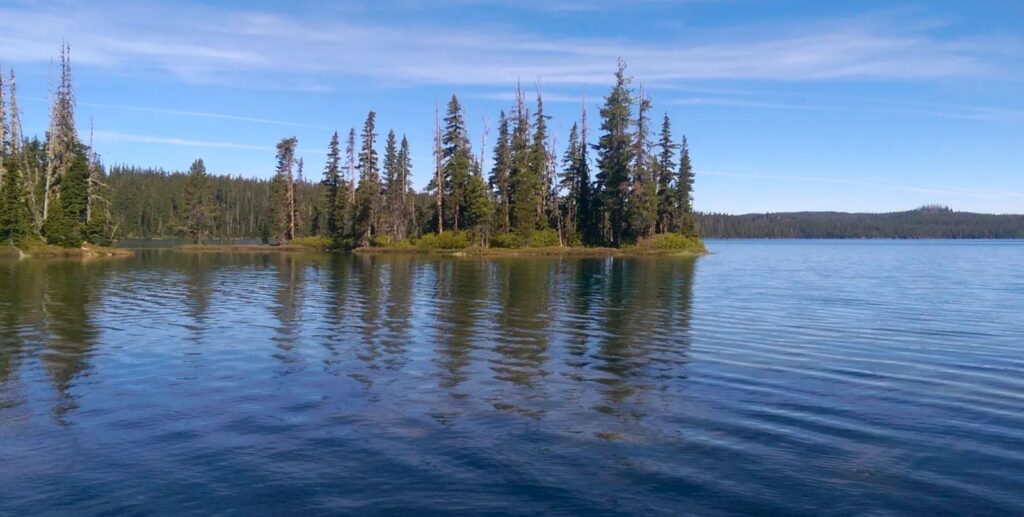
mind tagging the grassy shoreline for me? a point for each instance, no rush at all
(41, 250)
(652, 247)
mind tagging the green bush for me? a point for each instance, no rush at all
(505, 240)
(671, 241)
(319, 242)
(450, 240)
(380, 241)
(544, 238)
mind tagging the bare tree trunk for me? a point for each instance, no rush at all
(437, 167)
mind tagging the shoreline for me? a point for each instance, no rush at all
(46, 251)
(473, 251)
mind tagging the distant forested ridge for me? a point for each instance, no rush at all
(930, 222)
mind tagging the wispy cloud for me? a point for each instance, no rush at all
(246, 47)
(186, 113)
(146, 139)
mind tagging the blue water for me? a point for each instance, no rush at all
(789, 377)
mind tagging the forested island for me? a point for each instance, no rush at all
(630, 189)
(56, 193)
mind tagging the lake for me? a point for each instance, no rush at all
(796, 377)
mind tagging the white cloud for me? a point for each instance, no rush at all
(146, 139)
(204, 44)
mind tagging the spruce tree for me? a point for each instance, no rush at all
(615, 157)
(392, 186)
(198, 203)
(457, 165)
(406, 202)
(540, 161)
(15, 219)
(665, 170)
(686, 223)
(500, 175)
(571, 184)
(330, 183)
(642, 204)
(368, 202)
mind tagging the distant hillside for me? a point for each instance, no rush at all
(929, 222)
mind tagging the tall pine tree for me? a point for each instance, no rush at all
(368, 199)
(642, 204)
(500, 175)
(686, 224)
(615, 158)
(331, 182)
(198, 203)
(665, 170)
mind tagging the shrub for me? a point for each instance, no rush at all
(320, 242)
(380, 241)
(544, 239)
(450, 240)
(671, 241)
(505, 240)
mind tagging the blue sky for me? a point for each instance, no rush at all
(788, 105)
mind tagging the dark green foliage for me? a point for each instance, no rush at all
(198, 203)
(665, 168)
(97, 230)
(65, 222)
(642, 205)
(457, 166)
(331, 183)
(15, 218)
(923, 223)
(368, 199)
(60, 228)
(685, 223)
(500, 175)
(615, 158)
(405, 207)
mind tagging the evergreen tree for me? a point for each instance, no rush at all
(665, 170)
(406, 207)
(367, 209)
(587, 218)
(642, 203)
(615, 157)
(198, 203)
(15, 219)
(282, 193)
(457, 165)
(684, 193)
(522, 215)
(570, 184)
(393, 188)
(500, 175)
(331, 182)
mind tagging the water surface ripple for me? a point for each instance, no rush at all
(771, 377)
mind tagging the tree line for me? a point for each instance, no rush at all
(53, 189)
(641, 187)
(929, 222)
(625, 186)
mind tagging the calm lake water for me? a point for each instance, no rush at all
(773, 377)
